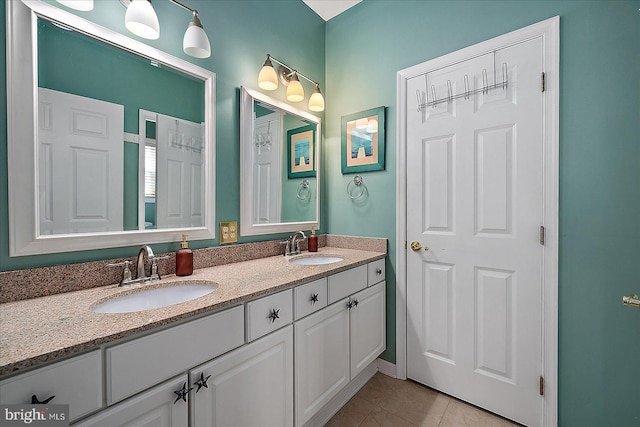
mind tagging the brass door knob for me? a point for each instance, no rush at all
(416, 246)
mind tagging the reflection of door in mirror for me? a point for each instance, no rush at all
(266, 166)
(80, 163)
(173, 161)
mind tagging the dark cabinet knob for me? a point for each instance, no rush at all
(379, 271)
(275, 314)
(355, 302)
(182, 393)
(35, 401)
(349, 304)
(202, 382)
(314, 298)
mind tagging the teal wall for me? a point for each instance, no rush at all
(599, 342)
(242, 33)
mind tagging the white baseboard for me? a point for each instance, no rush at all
(387, 368)
(333, 406)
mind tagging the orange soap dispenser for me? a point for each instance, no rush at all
(312, 241)
(184, 259)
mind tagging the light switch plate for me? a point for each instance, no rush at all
(228, 232)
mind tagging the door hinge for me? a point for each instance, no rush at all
(542, 235)
(543, 82)
(541, 385)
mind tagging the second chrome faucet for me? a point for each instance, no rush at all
(293, 243)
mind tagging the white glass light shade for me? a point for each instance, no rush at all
(316, 101)
(268, 79)
(195, 42)
(142, 20)
(295, 92)
(83, 5)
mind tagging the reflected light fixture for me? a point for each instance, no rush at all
(142, 21)
(83, 5)
(268, 80)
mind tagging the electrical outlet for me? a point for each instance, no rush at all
(228, 232)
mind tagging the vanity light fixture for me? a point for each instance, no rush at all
(142, 21)
(82, 5)
(268, 80)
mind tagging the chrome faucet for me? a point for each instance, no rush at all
(142, 274)
(295, 242)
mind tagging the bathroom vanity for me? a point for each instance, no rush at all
(276, 343)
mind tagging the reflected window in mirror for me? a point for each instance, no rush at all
(89, 165)
(122, 135)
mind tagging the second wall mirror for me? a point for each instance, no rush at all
(279, 166)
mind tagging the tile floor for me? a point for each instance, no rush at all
(385, 401)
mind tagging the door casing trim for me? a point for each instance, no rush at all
(549, 30)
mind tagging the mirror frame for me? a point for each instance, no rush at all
(247, 119)
(22, 103)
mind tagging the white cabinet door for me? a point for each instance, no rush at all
(76, 382)
(250, 386)
(322, 358)
(157, 407)
(367, 327)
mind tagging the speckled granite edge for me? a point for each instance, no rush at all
(38, 282)
(373, 244)
(46, 329)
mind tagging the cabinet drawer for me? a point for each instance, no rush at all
(268, 314)
(375, 272)
(310, 298)
(346, 283)
(154, 407)
(76, 382)
(138, 364)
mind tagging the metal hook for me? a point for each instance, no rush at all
(435, 98)
(466, 86)
(505, 75)
(485, 81)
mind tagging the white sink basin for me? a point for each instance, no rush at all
(315, 260)
(147, 299)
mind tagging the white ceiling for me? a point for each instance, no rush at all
(327, 9)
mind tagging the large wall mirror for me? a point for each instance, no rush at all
(110, 141)
(279, 166)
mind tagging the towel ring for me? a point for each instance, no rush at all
(358, 183)
(304, 193)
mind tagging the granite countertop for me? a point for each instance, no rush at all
(42, 329)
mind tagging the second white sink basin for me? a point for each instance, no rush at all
(147, 299)
(315, 260)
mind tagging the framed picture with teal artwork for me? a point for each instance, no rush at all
(363, 141)
(300, 152)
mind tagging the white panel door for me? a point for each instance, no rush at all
(179, 175)
(251, 386)
(321, 358)
(475, 192)
(81, 151)
(267, 170)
